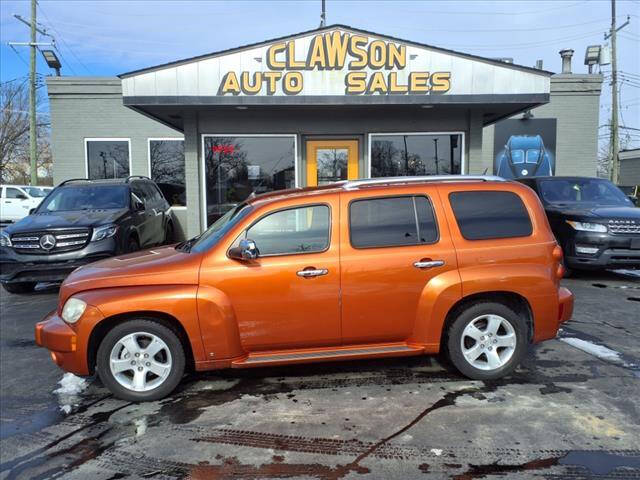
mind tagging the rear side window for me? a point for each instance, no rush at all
(392, 221)
(489, 215)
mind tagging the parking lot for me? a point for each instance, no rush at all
(570, 411)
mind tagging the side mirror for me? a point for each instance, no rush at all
(138, 206)
(31, 210)
(21, 196)
(247, 250)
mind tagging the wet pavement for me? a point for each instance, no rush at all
(570, 411)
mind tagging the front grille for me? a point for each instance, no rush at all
(624, 226)
(64, 240)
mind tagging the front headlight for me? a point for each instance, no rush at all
(73, 310)
(100, 233)
(5, 241)
(588, 227)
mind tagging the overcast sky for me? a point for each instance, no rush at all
(112, 37)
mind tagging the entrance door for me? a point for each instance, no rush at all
(331, 161)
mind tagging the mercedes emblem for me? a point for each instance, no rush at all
(48, 241)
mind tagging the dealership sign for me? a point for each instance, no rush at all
(333, 66)
(343, 52)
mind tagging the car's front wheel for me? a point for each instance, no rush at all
(141, 360)
(19, 287)
(487, 341)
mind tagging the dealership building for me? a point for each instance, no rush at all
(316, 107)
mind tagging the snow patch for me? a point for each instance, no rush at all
(599, 351)
(71, 385)
(66, 409)
(436, 451)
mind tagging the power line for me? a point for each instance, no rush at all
(65, 44)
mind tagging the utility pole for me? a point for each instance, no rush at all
(614, 145)
(33, 145)
(323, 16)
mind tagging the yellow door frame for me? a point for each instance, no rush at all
(312, 165)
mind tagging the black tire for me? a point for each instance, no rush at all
(466, 316)
(168, 234)
(19, 287)
(144, 325)
(133, 245)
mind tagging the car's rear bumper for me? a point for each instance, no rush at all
(68, 347)
(565, 305)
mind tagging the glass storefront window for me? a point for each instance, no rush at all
(236, 167)
(397, 155)
(107, 158)
(332, 164)
(166, 161)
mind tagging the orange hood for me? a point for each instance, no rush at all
(155, 266)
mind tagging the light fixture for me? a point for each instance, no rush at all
(52, 60)
(426, 106)
(241, 107)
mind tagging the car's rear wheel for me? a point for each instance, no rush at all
(19, 287)
(141, 360)
(487, 341)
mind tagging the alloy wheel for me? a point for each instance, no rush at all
(488, 342)
(140, 361)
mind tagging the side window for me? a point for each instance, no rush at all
(483, 215)
(392, 221)
(297, 230)
(13, 193)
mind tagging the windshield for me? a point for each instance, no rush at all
(591, 191)
(36, 192)
(221, 226)
(86, 197)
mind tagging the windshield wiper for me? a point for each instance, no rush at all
(186, 246)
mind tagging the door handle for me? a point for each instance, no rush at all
(428, 263)
(316, 272)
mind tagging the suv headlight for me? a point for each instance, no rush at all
(588, 227)
(103, 232)
(5, 241)
(73, 310)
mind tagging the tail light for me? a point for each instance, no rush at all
(557, 256)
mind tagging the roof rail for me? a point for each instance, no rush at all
(136, 176)
(73, 180)
(423, 178)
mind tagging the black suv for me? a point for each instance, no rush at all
(594, 222)
(79, 222)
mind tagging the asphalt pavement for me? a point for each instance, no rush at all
(570, 411)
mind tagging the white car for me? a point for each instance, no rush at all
(17, 200)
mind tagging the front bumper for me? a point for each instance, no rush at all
(22, 267)
(614, 251)
(68, 345)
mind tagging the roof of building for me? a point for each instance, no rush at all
(333, 27)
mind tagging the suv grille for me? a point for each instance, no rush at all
(624, 226)
(51, 241)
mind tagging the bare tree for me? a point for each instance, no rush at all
(14, 136)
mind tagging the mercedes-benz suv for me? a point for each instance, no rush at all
(82, 221)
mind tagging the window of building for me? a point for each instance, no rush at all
(297, 230)
(236, 167)
(485, 215)
(107, 158)
(166, 166)
(396, 155)
(392, 221)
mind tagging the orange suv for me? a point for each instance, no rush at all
(358, 269)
